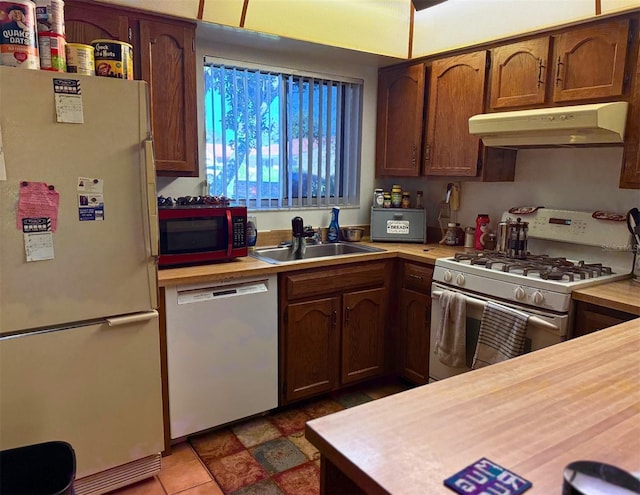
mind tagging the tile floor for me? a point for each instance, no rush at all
(184, 473)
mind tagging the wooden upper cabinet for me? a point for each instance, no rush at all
(167, 63)
(85, 23)
(164, 56)
(518, 74)
(456, 92)
(630, 176)
(400, 121)
(590, 62)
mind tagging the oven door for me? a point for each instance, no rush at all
(544, 328)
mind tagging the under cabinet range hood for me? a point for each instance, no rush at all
(599, 123)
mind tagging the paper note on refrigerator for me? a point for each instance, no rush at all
(38, 200)
(38, 246)
(68, 99)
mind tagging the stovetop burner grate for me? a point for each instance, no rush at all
(543, 266)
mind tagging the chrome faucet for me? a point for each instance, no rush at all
(299, 237)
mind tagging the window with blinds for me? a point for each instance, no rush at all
(282, 140)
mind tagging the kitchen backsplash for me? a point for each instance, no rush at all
(583, 179)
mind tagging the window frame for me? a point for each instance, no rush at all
(353, 109)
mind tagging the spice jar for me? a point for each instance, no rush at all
(419, 203)
(406, 200)
(386, 200)
(396, 196)
(490, 243)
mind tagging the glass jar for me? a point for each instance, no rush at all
(469, 237)
(419, 203)
(386, 200)
(396, 196)
(378, 198)
(406, 200)
(490, 243)
(451, 235)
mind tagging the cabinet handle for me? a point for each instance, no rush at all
(417, 277)
(414, 151)
(540, 67)
(427, 153)
(558, 78)
(334, 319)
(347, 314)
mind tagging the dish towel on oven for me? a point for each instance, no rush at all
(501, 336)
(451, 336)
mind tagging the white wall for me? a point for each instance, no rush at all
(270, 50)
(583, 179)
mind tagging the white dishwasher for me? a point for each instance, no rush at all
(222, 352)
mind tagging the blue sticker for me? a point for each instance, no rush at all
(485, 477)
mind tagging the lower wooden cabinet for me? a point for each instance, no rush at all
(333, 328)
(415, 322)
(591, 318)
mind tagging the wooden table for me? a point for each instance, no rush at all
(532, 415)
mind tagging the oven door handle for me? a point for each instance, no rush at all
(533, 320)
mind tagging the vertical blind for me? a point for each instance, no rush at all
(277, 140)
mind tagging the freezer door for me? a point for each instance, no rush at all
(97, 387)
(100, 267)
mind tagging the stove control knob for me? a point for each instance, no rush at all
(538, 297)
(447, 276)
(460, 279)
(519, 293)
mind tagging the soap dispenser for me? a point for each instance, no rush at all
(333, 233)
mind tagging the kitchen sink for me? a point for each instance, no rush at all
(278, 255)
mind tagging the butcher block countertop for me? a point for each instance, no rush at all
(623, 295)
(533, 415)
(248, 267)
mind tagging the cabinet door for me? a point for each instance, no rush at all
(85, 23)
(400, 121)
(167, 62)
(630, 176)
(590, 62)
(456, 93)
(363, 333)
(311, 346)
(518, 74)
(415, 327)
(591, 318)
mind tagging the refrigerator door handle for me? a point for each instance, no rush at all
(151, 196)
(117, 321)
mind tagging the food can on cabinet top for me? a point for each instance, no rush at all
(18, 37)
(53, 55)
(50, 16)
(80, 59)
(113, 58)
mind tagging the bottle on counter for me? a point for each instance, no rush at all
(482, 229)
(469, 237)
(378, 198)
(419, 200)
(387, 200)
(396, 196)
(451, 235)
(406, 200)
(333, 233)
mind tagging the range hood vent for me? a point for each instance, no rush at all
(599, 123)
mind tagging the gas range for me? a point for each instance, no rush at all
(577, 250)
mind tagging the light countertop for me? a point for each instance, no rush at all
(533, 414)
(622, 295)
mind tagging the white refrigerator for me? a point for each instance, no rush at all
(79, 338)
